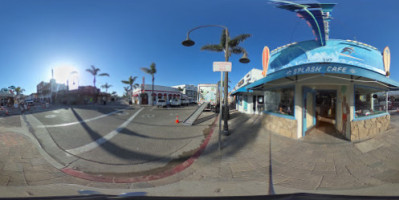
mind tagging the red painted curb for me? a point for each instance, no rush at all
(166, 173)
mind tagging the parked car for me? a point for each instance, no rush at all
(161, 103)
(175, 102)
(185, 102)
(29, 102)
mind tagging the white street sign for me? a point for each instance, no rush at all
(222, 66)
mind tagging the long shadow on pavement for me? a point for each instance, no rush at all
(132, 133)
(115, 149)
(239, 139)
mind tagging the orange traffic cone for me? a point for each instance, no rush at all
(177, 119)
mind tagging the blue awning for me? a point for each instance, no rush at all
(325, 68)
(241, 90)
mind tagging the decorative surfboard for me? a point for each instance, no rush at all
(386, 55)
(265, 60)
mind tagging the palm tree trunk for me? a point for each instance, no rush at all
(153, 103)
(94, 81)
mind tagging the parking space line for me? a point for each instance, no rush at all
(100, 141)
(78, 122)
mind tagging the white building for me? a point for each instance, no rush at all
(189, 90)
(46, 91)
(142, 95)
(250, 102)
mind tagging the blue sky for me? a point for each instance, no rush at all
(121, 36)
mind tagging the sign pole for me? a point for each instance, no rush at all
(220, 112)
(221, 67)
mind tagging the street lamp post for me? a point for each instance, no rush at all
(188, 42)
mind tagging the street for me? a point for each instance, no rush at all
(142, 149)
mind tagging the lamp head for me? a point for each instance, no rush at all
(244, 58)
(188, 42)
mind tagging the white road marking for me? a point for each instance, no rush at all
(50, 116)
(78, 122)
(100, 141)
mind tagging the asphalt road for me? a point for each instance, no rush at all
(105, 139)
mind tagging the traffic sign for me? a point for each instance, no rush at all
(222, 66)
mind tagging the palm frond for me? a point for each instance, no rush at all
(126, 82)
(133, 79)
(146, 70)
(238, 50)
(136, 85)
(90, 71)
(153, 68)
(104, 74)
(240, 38)
(212, 47)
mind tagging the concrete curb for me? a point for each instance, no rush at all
(164, 174)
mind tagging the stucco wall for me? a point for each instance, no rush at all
(280, 125)
(368, 128)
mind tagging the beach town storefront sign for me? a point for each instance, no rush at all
(320, 68)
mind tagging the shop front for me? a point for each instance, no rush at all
(144, 95)
(339, 88)
(250, 102)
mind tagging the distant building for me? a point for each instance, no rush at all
(250, 77)
(46, 91)
(83, 95)
(248, 101)
(32, 97)
(142, 95)
(188, 90)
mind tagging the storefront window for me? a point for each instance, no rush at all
(280, 101)
(369, 101)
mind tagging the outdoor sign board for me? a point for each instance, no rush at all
(222, 66)
(387, 59)
(265, 60)
(207, 93)
(345, 52)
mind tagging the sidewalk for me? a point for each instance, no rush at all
(249, 164)
(312, 165)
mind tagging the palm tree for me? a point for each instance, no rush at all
(94, 71)
(131, 83)
(106, 86)
(19, 90)
(233, 44)
(127, 89)
(151, 70)
(233, 48)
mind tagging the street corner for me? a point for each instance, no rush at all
(21, 163)
(164, 174)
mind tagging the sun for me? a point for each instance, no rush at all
(65, 73)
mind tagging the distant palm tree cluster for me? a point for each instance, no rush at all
(130, 81)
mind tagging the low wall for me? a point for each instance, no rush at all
(368, 128)
(280, 125)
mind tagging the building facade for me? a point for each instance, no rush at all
(47, 91)
(190, 91)
(250, 102)
(338, 86)
(142, 95)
